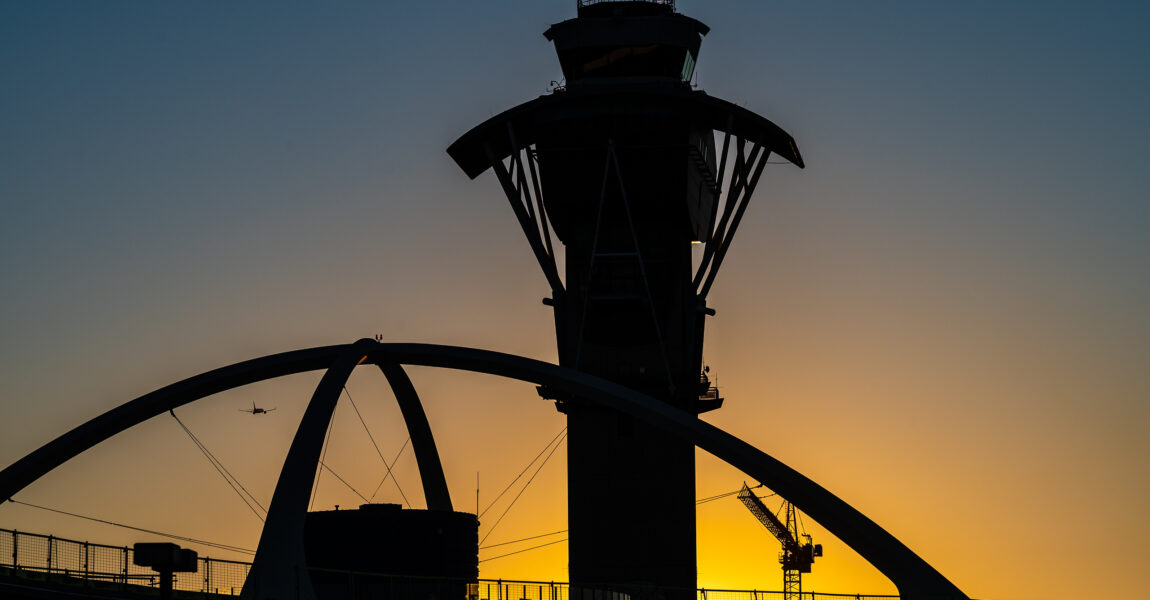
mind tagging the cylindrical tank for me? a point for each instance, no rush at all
(384, 552)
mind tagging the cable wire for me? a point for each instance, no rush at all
(534, 537)
(141, 529)
(322, 457)
(716, 497)
(376, 446)
(721, 496)
(389, 474)
(525, 486)
(561, 432)
(524, 550)
(343, 481)
(222, 470)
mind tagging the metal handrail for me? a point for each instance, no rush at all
(583, 3)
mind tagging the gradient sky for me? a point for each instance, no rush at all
(943, 319)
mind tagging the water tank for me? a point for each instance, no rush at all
(384, 552)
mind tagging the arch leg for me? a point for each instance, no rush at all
(422, 442)
(279, 569)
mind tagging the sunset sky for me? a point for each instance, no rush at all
(944, 319)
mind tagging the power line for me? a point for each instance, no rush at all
(219, 464)
(222, 470)
(561, 432)
(543, 535)
(376, 446)
(140, 529)
(525, 486)
(524, 550)
(534, 537)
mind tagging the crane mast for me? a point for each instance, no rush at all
(796, 557)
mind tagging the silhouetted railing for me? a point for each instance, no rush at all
(60, 561)
(100, 565)
(488, 589)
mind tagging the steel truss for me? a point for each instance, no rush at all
(518, 175)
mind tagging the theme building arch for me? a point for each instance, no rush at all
(281, 543)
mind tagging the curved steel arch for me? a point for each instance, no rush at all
(913, 577)
(44, 459)
(281, 547)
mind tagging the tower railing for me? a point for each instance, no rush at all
(583, 3)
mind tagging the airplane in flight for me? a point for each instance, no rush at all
(256, 410)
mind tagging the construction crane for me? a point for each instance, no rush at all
(796, 557)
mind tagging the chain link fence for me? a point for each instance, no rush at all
(99, 564)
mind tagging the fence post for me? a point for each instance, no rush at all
(15, 546)
(86, 570)
(126, 561)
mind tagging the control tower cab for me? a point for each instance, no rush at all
(637, 40)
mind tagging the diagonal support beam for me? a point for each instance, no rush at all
(730, 234)
(736, 187)
(530, 200)
(526, 221)
(726, 145)
(614, 156)
(594, 253)
(542, 211)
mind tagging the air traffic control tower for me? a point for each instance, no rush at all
(628, 167)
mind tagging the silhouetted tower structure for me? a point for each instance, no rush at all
(620, 164)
